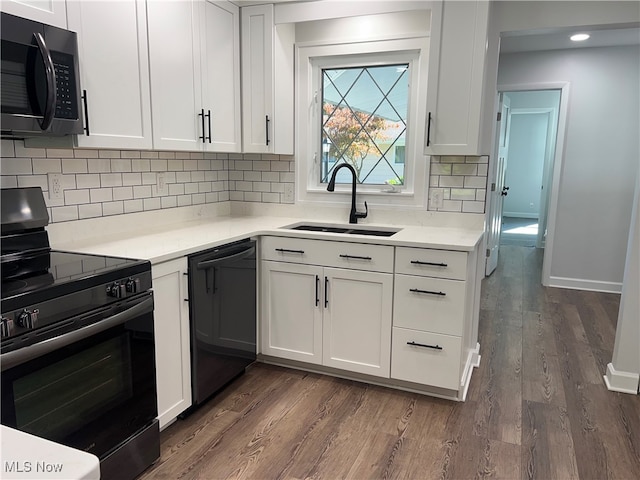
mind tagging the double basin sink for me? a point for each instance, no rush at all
(350, 230)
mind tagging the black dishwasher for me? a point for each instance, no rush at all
(222, 313)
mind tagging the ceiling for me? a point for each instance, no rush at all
(524, 42)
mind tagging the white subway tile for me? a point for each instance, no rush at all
(99, 165)
(184, 200)
(451, 206)
(204, 164)
(236, 196)
(218, 165)
(481, 194)
(131, 179)
(270, 176)
(64, 214)
(152, 203)
(262, 165)
(169, 202)
(111, 179)
(204, 187)
(166, 154)
(464, 169)
(451, 159)
(463, 194)
(292, 166)
(271, 156)
(74, 165)
(197, 155)
(251, 176)
(16, 166)
(279, 166)
(440, 169)
(8, 149)
(483, 168)
(190, 164)
(211, 197)
(175, 165)
(271, 197)
(198, 198)
(222, 175)
(288, 177)
(142, 191)
(223, 196)
(149, 178)
(9, 181)
(232, 156)
(244, 165)
(57, 202)
(90, 210)
(131, 206)
(68, 182)
(447, 181)
(120, 165)
(159, 165)
(251, 156)
(277, 187)
(236, 175)
(190, 188)
(183, 177)
(33, 181)
(58, 153)
(475, 182)
(261, 187)
(176, 189)
(252, 196)
(220, 186)
(123, 193)
(182, 155)
(197, 176)
(112, 208)
(433, 180)
(101, 195)
(244, 186)
(210, 176)
(170, 177)
(109, 153)
(130, 154)
(473, 207)
(147, 154)
(85, 153)
(74, 197)
(46, 165)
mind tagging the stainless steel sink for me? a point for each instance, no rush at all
(314, 227)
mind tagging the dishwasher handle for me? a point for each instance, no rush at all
(206, 264)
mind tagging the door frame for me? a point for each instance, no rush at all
(564, 88)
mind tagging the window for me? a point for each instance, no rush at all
(363, 104)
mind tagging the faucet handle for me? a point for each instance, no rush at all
(363, 214)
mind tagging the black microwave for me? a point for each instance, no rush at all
(40, 82)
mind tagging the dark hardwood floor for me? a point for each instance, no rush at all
(537, 406)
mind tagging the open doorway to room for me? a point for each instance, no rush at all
(532, 125)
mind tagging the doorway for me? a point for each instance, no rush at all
(532, 131)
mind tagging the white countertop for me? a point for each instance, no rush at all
(166, 243)
(26, 456)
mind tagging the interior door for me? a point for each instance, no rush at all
(498, 188)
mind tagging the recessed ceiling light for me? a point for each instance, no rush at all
(579, 37)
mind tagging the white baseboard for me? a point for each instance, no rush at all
(582, 284)
(521, 214)
(624, 382)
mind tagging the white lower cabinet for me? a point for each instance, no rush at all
(335, 317)
(172, 341)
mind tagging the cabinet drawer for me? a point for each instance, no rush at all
(429, 304)
(431, 263)
(438, 367)
(354, 256)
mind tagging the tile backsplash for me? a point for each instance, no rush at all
(98, 183)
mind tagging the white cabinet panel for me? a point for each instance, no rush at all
(292, 311)
(172, 341)
(357, 321)
(114, 71)
(51, 12)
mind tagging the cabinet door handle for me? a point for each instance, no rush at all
(357, 257)
(429, 130)
(286, 250)
(414, 344)
(209, 122)
(266, 129)
(433, 264)
(326, 292)
(201, 115)
(86, 112)
(317, 290)
(415, 290)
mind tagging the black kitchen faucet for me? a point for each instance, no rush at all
(353, 215)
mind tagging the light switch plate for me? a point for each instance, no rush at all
(55, 186)
(288, 193)
(436, 198)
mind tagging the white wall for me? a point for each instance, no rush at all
(527, 141)
(600, 160)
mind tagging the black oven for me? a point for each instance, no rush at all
(40, 79)
(77, 354)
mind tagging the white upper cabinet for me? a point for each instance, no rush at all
(114, 73)
(51, 12)
(195, 75)
(267, 82)
(455, 84)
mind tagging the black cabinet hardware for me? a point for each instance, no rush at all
(429, 130)
(415, 290)
(414, 344)
(357, 257)
(505, 191)
(209, 122)
(201, 115)
(326, 292)
(266, 129)
(317, 290)
(286, 250)
(433, 264)
(86, 113)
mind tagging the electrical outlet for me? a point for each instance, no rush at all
(288, 193)
(55, 186)
(161, 183)
(436, 200)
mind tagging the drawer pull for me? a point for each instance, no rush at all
(357, 257)
(326, 292)
(415, 290)
(286, 250)
(317, 290)
(432, 264)
(414, 344)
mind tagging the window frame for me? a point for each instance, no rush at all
(310, 61)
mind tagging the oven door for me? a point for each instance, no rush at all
(88, 383)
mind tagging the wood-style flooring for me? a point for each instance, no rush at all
(537, 407)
